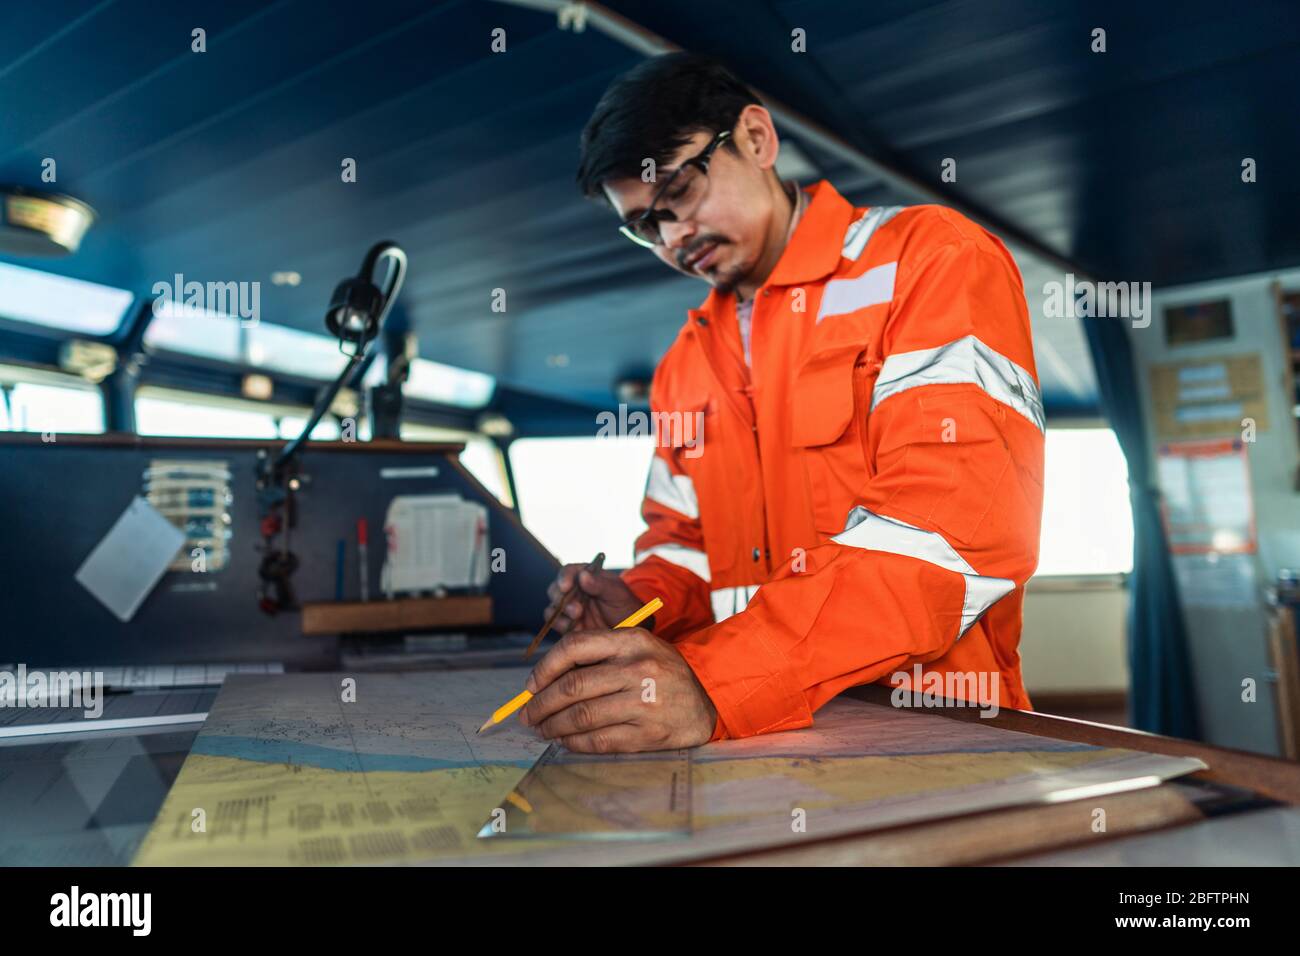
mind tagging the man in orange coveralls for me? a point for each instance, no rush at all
(862, 499)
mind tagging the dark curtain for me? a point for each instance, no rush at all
(1161, 698)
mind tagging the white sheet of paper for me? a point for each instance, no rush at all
(127, 563)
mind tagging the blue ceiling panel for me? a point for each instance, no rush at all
(225, 165)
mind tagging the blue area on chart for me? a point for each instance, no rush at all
(266, 750)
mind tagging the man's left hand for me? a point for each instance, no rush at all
(618, 691)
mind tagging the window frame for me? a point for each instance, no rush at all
(1081, 580)
(44, 375)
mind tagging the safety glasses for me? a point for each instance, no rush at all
(676, 200)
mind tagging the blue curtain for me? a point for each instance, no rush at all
(1161, 698)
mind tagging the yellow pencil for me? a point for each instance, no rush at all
(505, 710)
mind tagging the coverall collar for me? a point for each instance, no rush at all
(813, 252)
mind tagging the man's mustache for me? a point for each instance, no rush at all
(696, 245)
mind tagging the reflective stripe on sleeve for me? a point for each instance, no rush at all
(729, 601)
(872, 532)
(967, 361)
(672, 491)
(697, 562)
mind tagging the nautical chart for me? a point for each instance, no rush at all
(289, 770)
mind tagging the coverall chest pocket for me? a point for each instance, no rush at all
(830, 402)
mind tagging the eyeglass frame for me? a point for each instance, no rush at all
(699, 161)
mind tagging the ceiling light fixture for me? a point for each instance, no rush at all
(41, 224)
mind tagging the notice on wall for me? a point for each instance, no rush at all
(124, 567)
(1217, 580)
(1208, 397)
(1205, 497)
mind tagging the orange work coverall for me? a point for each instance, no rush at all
(867, 496)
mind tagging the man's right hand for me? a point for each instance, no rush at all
(608, 600)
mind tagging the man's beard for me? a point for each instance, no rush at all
(725, 283)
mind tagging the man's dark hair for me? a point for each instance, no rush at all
(652, 110)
